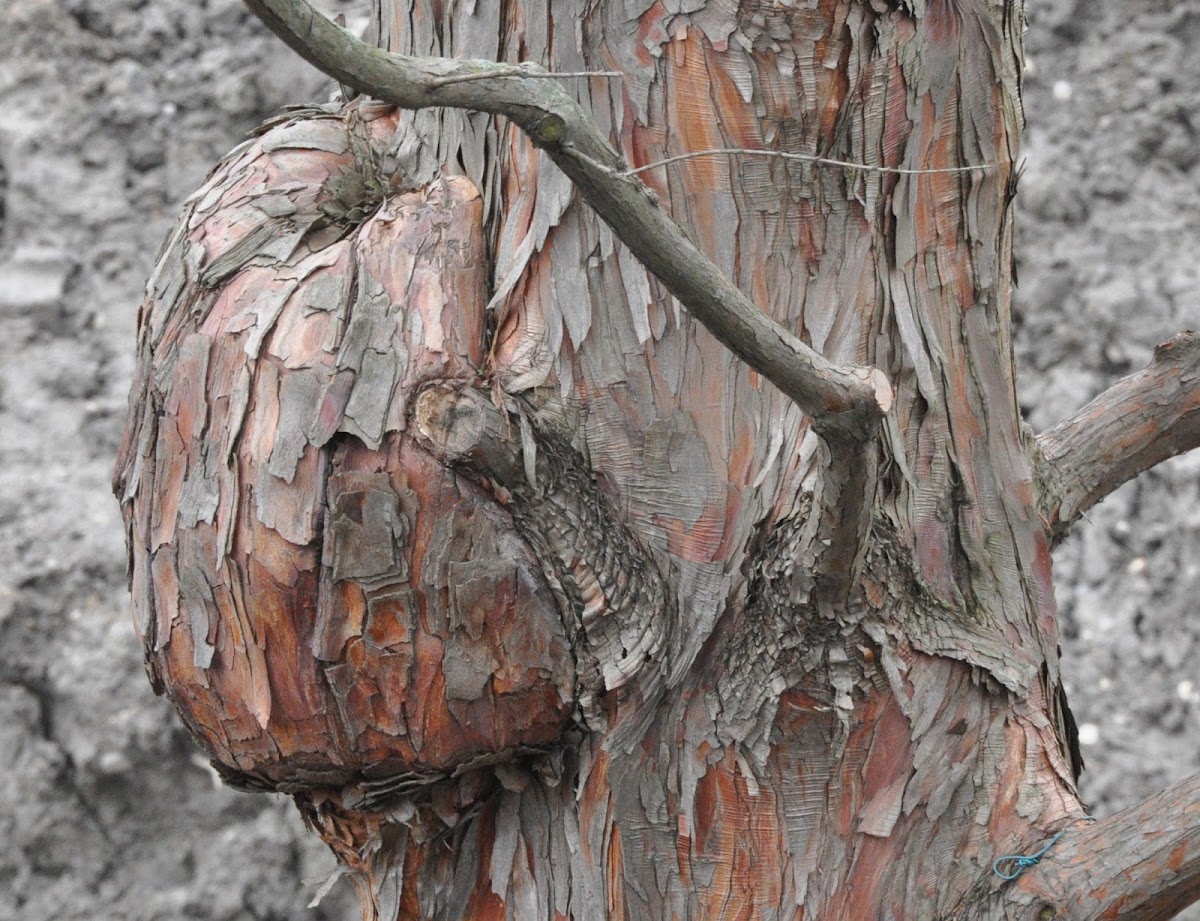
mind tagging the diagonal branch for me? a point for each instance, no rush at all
(846, 401)
(1142, 864)
(1138, 422)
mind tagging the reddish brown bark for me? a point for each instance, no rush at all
(445, 518)
(302, 571)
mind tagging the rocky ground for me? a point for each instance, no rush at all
(114, 110)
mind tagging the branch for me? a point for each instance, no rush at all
(598, 568)
(845, 400)
(1138, 422)
(1142, 864)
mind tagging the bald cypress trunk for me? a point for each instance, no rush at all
(448, 520)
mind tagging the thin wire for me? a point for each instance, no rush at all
(1022, 862)
(522, 72)
(806, 158)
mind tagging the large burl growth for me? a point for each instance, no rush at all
(450, 517)
(322, 599)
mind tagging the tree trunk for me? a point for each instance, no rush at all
(448, 520)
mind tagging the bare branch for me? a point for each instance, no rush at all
(1138, 422)
(848, 401)
(1142, 864)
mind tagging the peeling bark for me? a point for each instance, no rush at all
(324, 601)
(844, 400)
(447, 519)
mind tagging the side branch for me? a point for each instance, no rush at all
(1140, 421)
(848, 401)
(1141, 864)
(604, 577)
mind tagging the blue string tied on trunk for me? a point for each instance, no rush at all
(1015, 864)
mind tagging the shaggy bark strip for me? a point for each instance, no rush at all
(847, 400)
(1140, 421)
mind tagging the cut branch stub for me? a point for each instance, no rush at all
(462, 425)
(1140, 421)
(848, 401)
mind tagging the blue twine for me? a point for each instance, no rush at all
(1022, 862)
